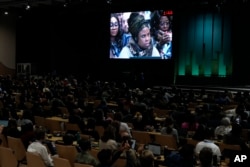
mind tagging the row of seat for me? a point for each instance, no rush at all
(8, 159)
(143, 137)
(54, 124)
(19, 155)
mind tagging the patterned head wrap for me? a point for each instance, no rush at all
(136, 23)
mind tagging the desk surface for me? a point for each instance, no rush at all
(57, 119)
(95, 144)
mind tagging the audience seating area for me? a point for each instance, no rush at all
(143, 109)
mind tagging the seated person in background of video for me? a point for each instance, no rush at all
(161, 28)
(126, 35)
(115, 36)
(140, 44)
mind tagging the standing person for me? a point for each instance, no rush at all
(161, 27)
(115, 36)
(140, 44)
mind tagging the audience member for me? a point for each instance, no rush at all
(84, 156)
(107, 141)
(190, 124)
(234, 137)
(208, 142)
(27, 134)
(223, 129)
(123, 126)
(105, 158)
(11, 129)
(168, 128)
(147, 158)
(206, 157)
(90, 129)
(183, 157)
(38, 147)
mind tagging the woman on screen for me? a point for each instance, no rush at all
(161, 27)
(140, 44)
(115, 37)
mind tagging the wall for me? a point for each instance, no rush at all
(7, 45)
(76, 41)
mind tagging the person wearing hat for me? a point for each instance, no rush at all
(140, 44)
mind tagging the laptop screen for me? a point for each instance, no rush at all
(133, 142)
(155, 148)
(4, 123)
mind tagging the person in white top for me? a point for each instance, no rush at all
(207, 142)
(38, 147)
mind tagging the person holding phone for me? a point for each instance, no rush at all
(162, 31)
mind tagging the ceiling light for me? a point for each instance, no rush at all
(27, 7)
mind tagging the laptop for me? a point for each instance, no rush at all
(4, 123)
(155, 148)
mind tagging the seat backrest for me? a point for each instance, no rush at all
(18, 148)
(53, 125)
(120, 162)
(34, 160)
(39, 121)
(168, 140)
(4, 140)
(72, 127)
(82, 165)
(141, 137)
(224, 146)
(245, 134)
(7, 158)
(99, 129)
(85, 137)
(67, 152)
(61, 162)
(192, 141)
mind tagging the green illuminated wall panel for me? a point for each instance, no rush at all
(205, 45)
